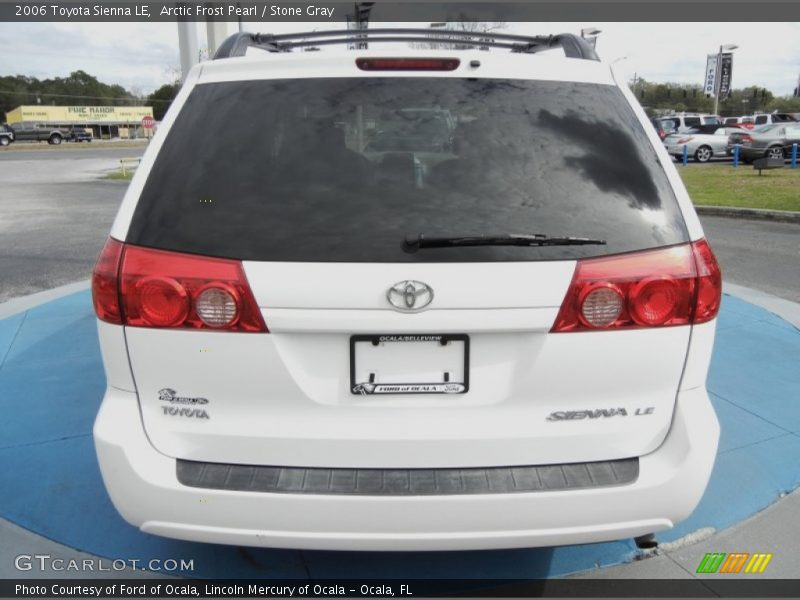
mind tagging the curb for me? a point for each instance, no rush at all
(788, 310)
(28, 146)
(784, 216)
(24, 303)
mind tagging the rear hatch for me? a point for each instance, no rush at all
(312, 186)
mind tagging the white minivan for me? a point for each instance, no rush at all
(328, 321)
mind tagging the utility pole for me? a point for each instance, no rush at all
(187, 43)
(216, 31)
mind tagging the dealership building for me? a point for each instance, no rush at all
(103, 121)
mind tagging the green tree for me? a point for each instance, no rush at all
(77, 88)
(660, 98)
(162, 98)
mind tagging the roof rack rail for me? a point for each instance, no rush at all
(237, 44)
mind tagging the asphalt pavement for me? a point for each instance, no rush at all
(764, 255)
(46, 152)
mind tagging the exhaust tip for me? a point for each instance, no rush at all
(646, 542)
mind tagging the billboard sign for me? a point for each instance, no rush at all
(80, 114)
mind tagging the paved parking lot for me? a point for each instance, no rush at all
(55, 213)
(104, 150)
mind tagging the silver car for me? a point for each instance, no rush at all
(775, 141)
(702, 145)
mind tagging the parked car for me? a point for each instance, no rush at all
(743, 122)
(6, 135)
(772, 118)
(742, 135)
(663, 128)
(79, 135)
(703, 143)
(503, 344)
(36, 132)
(773, 142)
(684, 122)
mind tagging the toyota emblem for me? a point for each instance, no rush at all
(409, 295)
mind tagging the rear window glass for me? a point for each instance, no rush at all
(342, 170)
(671, 124)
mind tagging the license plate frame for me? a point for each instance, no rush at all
(390, 388)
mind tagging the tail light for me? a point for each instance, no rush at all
(685, 140)
(746, 139)
(105, 289)
(408, 64)
(709, 283)
(680, 285)
(142, 287)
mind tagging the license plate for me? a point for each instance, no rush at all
(409, 364)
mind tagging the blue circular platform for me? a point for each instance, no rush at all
(52, 382)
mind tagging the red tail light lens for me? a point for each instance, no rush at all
(142, 287)
(160, 301)
(408, 64)
(709, 279)
(685, 140)
(653, 301)
(671, 286)
(105, 289)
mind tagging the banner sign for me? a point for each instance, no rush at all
(725, 75)
(710, 84)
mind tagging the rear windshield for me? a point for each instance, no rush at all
(342, 170)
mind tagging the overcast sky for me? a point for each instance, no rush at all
(143, 56)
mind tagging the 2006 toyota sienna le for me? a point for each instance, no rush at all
(395, 299)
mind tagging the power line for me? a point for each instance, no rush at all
(126, 98)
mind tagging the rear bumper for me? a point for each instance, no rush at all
(749, 152)
(144, 488)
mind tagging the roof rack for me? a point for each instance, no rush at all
(237, 44)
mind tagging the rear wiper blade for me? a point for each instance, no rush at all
(412, 244)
